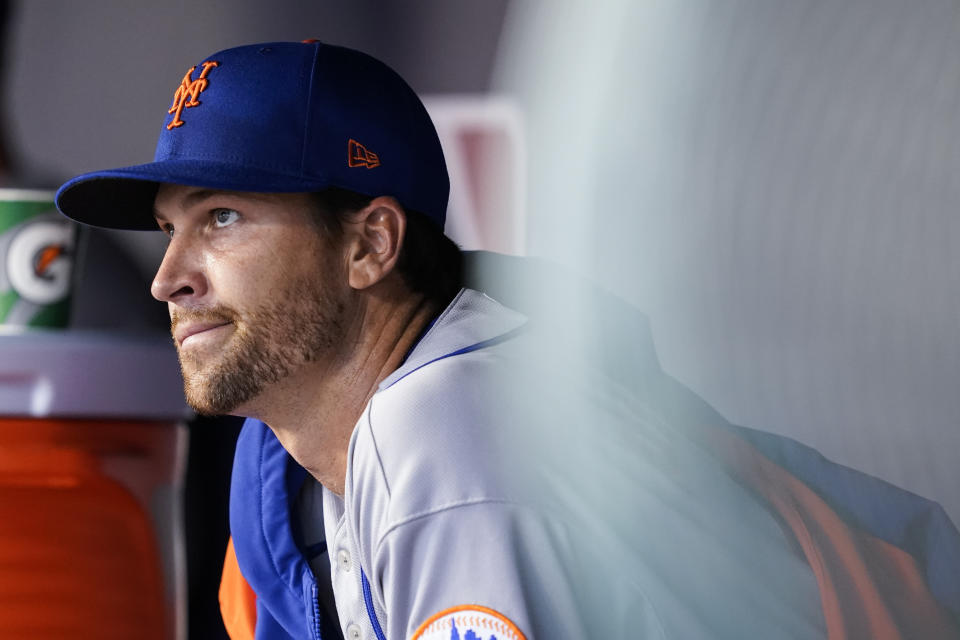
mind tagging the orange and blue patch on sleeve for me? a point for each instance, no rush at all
(468, 622)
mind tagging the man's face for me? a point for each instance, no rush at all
(254, 291)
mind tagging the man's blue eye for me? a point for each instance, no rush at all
(224, 217)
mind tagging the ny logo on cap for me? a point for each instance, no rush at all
(188, 92)
(359, 156)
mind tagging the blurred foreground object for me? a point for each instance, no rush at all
(885, 561)
(90, 477)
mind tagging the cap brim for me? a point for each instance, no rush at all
(123, 198)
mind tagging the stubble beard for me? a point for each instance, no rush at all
(268, 344)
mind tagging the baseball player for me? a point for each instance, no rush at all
(419, 460)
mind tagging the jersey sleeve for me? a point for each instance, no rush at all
(452, 540)
(569, 520)
(492, 569)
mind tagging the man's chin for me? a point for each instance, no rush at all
(218, 397)
(206, 406)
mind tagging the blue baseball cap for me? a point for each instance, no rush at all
(281, 117)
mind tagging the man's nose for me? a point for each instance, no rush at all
(181, 276)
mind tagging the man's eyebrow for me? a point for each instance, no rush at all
(193, 197)
(189, 200)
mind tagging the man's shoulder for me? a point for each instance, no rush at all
(438, 437)
(471, 322)
(443, 397)
(452, 406)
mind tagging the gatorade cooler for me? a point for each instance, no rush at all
(92, 451)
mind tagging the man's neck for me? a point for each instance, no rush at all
(313, 412)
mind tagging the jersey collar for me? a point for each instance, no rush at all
(472, 320)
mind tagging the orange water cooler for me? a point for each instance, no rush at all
(92, 451)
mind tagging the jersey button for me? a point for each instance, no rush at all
(343, 560)
(353, 632)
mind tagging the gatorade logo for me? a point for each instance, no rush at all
(39, 263)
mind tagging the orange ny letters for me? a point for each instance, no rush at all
(188, 92)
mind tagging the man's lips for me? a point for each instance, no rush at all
(184, 331)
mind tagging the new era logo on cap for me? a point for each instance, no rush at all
(359, 156)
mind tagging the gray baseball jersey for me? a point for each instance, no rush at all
(490, 494)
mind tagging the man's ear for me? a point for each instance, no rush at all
(374, 236)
